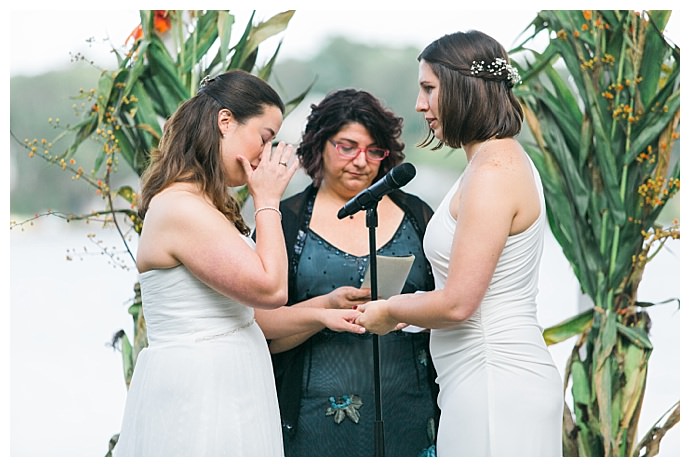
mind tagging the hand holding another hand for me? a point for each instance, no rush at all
(340, 313)
(376, 318)
(339, 320)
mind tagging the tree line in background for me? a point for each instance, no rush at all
(36, 103)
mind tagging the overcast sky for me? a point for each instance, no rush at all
(44, 39)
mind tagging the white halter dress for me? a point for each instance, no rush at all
(500, 392)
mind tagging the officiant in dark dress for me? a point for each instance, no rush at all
(324, 374)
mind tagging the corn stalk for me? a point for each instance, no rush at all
(602, 102)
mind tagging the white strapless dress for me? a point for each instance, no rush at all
(500, 392)
(204, 386)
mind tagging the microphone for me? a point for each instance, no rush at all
(398, 177)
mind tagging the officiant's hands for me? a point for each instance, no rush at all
(347, 297)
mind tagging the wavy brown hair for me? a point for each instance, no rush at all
(340, 108)
(189, 150)
(471, 107)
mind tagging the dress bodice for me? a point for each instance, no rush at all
(515, 279)
(178, 307)
(341, 268)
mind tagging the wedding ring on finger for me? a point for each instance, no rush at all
(283, 163)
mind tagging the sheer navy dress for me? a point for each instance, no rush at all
(326, 385)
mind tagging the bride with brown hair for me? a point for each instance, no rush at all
(204, 385)
(500, 391)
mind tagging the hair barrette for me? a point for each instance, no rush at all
(496, 68)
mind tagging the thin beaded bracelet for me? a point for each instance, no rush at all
(270, 208)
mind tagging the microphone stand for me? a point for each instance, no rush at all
(372, 223)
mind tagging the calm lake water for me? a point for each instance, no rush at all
(67, 390)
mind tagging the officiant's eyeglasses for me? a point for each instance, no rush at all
(348, 151)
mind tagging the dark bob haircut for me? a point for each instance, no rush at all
(472, 107)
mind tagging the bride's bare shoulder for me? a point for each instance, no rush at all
(179, 194)
(179, 205)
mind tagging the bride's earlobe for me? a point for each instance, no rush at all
(225, 119)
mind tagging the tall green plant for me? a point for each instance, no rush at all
(602, 102)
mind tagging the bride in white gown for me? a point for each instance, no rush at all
(500, 392)
(204, 385)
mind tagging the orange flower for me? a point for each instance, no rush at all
(135, 35)
(161, 21)
(161, 24)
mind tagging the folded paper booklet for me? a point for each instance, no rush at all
(391, 273)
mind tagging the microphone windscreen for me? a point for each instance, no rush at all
(402, 174)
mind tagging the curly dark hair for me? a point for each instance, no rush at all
(340, 108)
